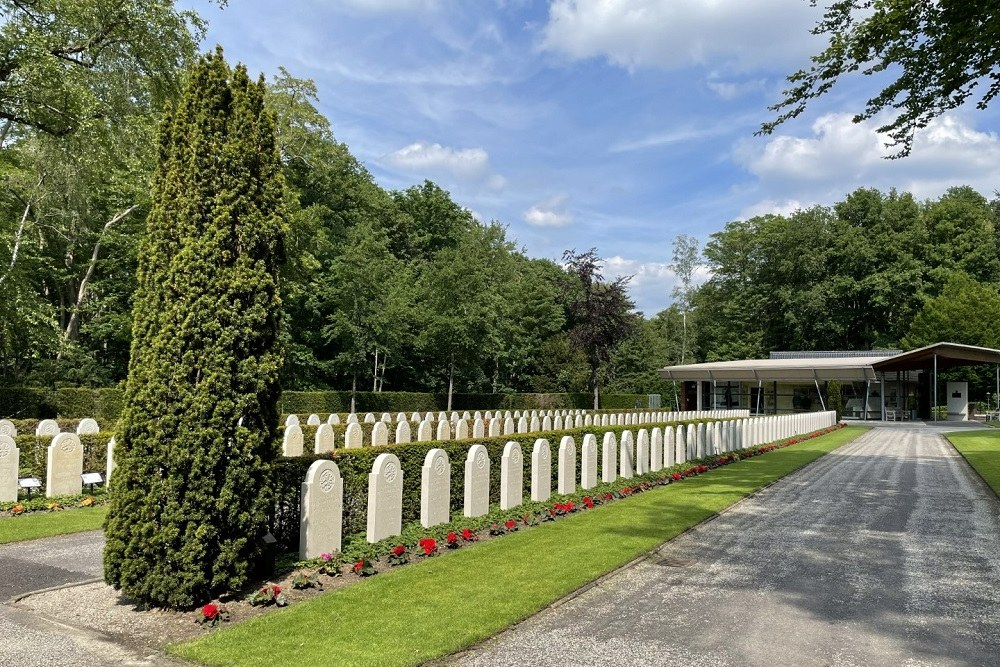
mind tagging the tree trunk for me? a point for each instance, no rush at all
(451, 380)
(81, 293)
(375, 374)
(354, 389)
(684, 334)
(597, 397)
(19, 234)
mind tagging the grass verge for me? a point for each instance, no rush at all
(444, 604)
(35, 525)
(982, 450)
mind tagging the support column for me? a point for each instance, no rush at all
(864, 410)
(698, 400)
(934, 380)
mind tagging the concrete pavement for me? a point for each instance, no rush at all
(884, 552)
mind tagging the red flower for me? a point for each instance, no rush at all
(589, 502)
(357, 566)
(510, 524)
(570, 506)
(676, 476)
(399, 550)
(277, 590)
(429, 545)
(210, 611)
(609, 496)
(452, 537)
(468, 535)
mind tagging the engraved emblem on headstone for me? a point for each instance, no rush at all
(390, 472)
(326, 481)
(481, 460)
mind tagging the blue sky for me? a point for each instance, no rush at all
(594, 123)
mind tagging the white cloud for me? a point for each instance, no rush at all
(730, 90)
(652, 282)
(380, 6)
(679, 33)
(839, 156)
(772, 207)
(549, 213)
(469, 164)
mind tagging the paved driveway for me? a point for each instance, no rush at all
(884, 552)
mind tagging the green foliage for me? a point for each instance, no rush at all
(197, 435)
(325, 402)
(939, 52)
(34, 451)
(965, 312)
(835, 399)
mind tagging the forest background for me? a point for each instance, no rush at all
(405, 290)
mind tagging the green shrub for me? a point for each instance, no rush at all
(27, 402)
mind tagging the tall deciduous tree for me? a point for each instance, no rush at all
(197, 435)
(940, 52)
(601, 313)
(684, 263)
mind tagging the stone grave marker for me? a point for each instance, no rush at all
(353, 436)
(324, 439)
(65, 465)
(522, 425)
(352, 418)
(402, 432)
(385, 498)
(444, 430)
(547, 423)
(511, 476)
(567, 465)
(87, 426)
(322, 510)
(642, 452)
(541, 471)
(557, 423)
(292, 442)
(425, 431)
(435, 489)
(110, 465)
(477, 482)
(626, 463)
(386, 418)
(461, 430)
(588, 462)
(292, 419)
(508, 426)
(691, 440)
(10, 457)
(609, 458)
(400, 417)
(380, 434)
(313, 420)
(47, 427)
(534, 426)
(333, 419)
(494, 429)
(478, 428)
(370, 418)
(7, 428)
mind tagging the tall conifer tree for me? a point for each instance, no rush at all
(191, 492)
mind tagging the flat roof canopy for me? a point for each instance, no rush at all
(949, 355)
(781, 370)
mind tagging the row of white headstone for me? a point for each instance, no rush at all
(293, 441)
(369, 418)
(50, 427)
(649, 451)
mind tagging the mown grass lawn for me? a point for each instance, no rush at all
(982, 450)
(446, 603)
(49, 524)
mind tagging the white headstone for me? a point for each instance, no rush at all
(370, 418)
(110, 464)
(656, 449)
(435, 489)
(352, 418)
(65, 465)
(547, 423)
(511, 476)
(588, 461)
(567, 465)
(541, 471)
(380, 434)
(324, 439)
(508, 426)
(402, 432)
(534, 426)
(642, 452)
(425, 432)
(385, 498)
(313, 420)
(522, 425)
(400, 417)
(47, 427)
(494, 429)
(333, 419)
(10, 457)
(291, 444)
(442, 416)
(444, 430)
(478, 428)
(292, 419)
(466, 416)
(477, 482)
(353, 436)
(386, 417)
(87, 426)
(609, 458)
(461, 430)
(415, 417)
(557, 423)
(626, 464)
(322, 508)
(7, 428)
(587, 420)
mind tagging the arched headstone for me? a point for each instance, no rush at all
(567, 465)
(402, 432)
(292, 442)
(609, 458)
(324, 439)
(322, 510)
(385, 498)
(64, 466)
(541, 471)
(353, 437)
(588, 461)
(87, 426)
(10, 457)
(313, 420)
(47, 427)
(435, 489)
(477, 482)
(511, 476)
(380, 434)
(626, 463)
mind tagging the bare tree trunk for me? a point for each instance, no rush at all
(381, 379)
(19, 234)
(684, 334)
(451, 379)
(597, 393)
(354, 389)
(375, 374)
(81, 292)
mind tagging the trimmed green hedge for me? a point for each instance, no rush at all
(34, 450)
(356, 464)
(105, 405)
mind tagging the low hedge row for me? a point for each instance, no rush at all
(356, 464)
(106, 404)
(34, 453)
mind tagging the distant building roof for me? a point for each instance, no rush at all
(832, 354)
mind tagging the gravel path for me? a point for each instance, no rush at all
(884, 552)
(54, 561)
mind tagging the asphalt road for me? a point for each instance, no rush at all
(884, 552)
(38, 564)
